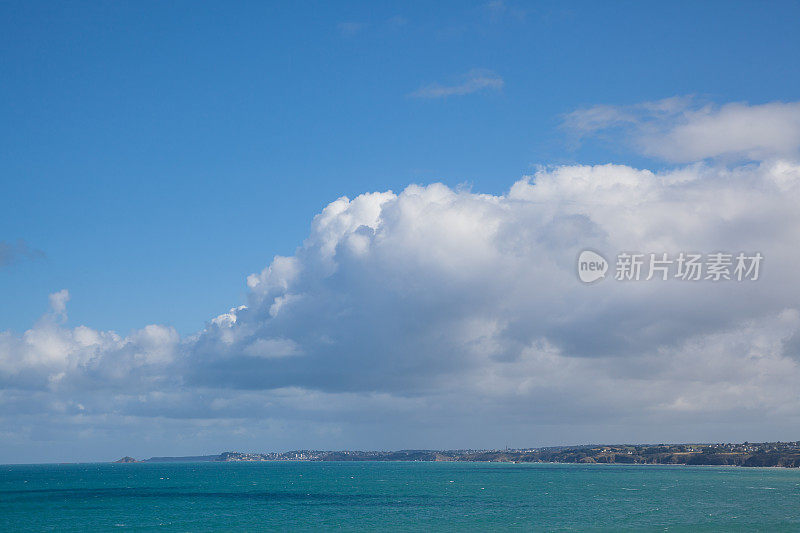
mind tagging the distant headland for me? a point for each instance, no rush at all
(772, 454)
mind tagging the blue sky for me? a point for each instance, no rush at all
(261, 226)
(158, 153)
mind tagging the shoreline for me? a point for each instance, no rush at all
(376, 461)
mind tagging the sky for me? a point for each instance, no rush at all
(263, 227)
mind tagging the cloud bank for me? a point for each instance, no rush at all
(443, 317)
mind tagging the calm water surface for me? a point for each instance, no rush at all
(396, 496)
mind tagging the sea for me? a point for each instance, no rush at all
(396, 496)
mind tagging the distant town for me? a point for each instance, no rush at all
(765, 454)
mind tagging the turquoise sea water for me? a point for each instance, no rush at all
(396, 496)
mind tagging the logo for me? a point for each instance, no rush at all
(664, 266)
(591, 266)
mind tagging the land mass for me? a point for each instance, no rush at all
(774, 454)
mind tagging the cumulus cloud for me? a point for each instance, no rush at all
(474, 81)
(401, 293)
(444, 308)
(682, 130)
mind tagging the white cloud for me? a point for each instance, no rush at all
(475, 80)
(441, 317)
(58, 303)
(680, 130)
